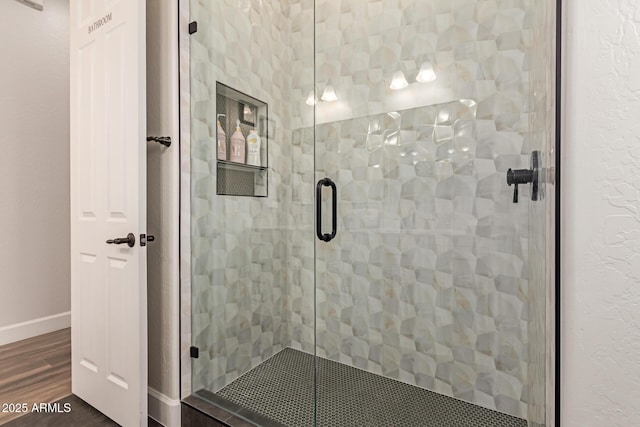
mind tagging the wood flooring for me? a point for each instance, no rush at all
(36, 370)
(81, 414)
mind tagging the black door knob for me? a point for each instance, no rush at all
(130, 240)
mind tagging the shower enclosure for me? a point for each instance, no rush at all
(374, 267)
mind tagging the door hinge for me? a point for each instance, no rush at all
(195, 352)
(193, 27)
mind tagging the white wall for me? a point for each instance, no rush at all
(163, 212)
(34, 169)
(601, 214)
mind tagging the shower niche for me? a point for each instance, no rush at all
(242, 141)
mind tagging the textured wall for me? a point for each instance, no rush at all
(34, 165)
(601, 205)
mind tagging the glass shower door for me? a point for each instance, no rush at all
(368, 266)
(251, 211)
(423, 298)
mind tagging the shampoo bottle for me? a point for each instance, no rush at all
(222, 140)
(253, 148)
(237, 145)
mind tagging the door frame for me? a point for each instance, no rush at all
(184, 49)
(557, 289)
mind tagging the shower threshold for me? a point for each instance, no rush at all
(280, 392)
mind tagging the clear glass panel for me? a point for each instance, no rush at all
(430, 280)
(244, 312)
(541, 301)
(433, 295)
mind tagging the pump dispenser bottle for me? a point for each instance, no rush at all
(237, 145)
(253, 148)
(222, 140)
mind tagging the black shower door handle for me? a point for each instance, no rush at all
(326, 182)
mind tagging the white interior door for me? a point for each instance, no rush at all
(108, 200)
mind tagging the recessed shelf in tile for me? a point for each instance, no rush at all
(235, 109)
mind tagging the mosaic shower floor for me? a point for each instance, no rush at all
(281, 389)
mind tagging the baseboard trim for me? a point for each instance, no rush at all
(32, 328)
(163, 409)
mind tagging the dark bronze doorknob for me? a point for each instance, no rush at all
(130, 240)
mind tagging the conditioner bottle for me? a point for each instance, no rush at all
(222, 140)
(253, 148)
(237, 145)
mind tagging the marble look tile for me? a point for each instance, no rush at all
(427, 279)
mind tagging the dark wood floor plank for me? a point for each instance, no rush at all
(47, 350)
(15, 381)
(59, 359)
(20, 367)
(81, 414)
(37, 346)
(36, 370)
(60, 387)
(40, 380)
(34, 349)
(60, 336)
(50, 395)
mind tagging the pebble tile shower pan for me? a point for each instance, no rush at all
(281, 389)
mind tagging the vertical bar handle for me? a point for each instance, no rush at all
(326, 182)
(334, 209)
